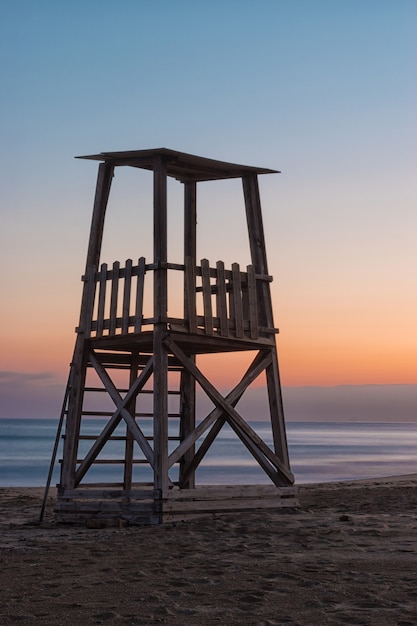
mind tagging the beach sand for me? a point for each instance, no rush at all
(346, 556)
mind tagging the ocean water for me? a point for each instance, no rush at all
(319, 452)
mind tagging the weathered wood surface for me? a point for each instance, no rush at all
(125, 325)
(224, 303)
(273, 466)
(153, 506)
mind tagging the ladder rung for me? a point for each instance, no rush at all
(114, 461)
(98, 413)
(142, 391)
(117, 438)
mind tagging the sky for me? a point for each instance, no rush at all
(324, 91)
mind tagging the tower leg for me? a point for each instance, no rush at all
(79, 364)
(187, 425)
(160, 377)
(266, 318)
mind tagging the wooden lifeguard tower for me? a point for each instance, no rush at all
(134, 360)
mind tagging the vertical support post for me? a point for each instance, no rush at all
(78, 364)
(128, 468)
(259, 261)
(188, 392)
(160, 391)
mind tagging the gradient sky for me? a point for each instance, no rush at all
(323, 90)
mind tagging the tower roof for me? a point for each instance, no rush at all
(180, 165)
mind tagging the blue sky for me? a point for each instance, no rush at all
(323, 90)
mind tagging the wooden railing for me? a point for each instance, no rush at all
(217, 301)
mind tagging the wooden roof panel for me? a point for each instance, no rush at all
(180, 165)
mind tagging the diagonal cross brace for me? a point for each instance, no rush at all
(247, 435)
(121, 412)
(258, 365)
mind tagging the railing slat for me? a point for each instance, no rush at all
(237, 300)
(126, 296)
(253, 302)
(113, 298)
(207, 308)
(101, 299)
(221, 299)
(139, 294)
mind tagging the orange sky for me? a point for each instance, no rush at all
(337, 118)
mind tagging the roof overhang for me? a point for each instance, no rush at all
(180, 165)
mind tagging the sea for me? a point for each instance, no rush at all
(319, 452)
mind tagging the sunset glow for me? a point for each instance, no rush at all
(311, 89)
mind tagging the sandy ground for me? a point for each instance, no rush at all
(347, 556)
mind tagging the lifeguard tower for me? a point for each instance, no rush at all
(144, 363)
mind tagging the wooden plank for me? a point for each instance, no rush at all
(127, 287)
(101, 299)
(106, 506)
(190, 295)
(139, 294)
(252, 303)
(220, 506)
(86, 492)
(234, 419)
(207, 308)
(113, 298)
(72, 517)
(221, 300)
(237, 300)
(228, 492)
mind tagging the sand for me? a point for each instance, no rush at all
(347, 556)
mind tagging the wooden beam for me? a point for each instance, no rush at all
(78, 363)
(190, 220)
(187, 382)
(277, 409)
(160, 396)
(104, 180)
(265, 311)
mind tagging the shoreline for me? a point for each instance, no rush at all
(346, 556)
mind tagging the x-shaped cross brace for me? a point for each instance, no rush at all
(120, 413)
(267, 459)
